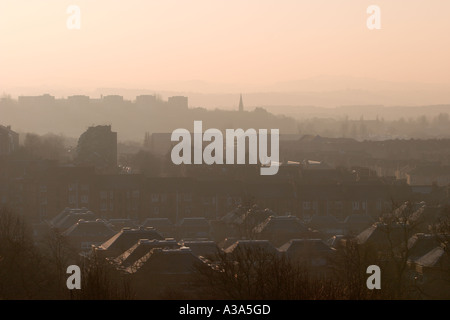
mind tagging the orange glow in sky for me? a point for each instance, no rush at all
(136, 43)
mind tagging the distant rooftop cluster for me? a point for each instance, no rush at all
(180, 102)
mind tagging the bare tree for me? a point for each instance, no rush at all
(23, 270)
(101, 281)
(59, 254)
(257, 274)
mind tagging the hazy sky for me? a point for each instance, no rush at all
(139, 43)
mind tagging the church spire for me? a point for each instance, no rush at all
(241, 104)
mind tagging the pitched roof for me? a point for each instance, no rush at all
(202, 248)
(281, 224)
(379, 234)
(225, 243)
(305, 246)
(256, 245)
(435, 258)
(127, 237)
(141, 248)
(118, 224)
(234, 216)
(166, 262)
(247, 215)
(68, 217)
(6, 129)
(421, 244)
(425, 214)
(83, 228)
(198, 222)
(157, 223)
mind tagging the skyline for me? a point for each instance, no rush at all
(322, 91)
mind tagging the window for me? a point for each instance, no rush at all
(103, 206)
(84, 187)
(155, 197)
(306, 205)
(84, 199)
(136, 194)
(364, 205)
(72, 199)
(156, 211)
(187, 196)
(43, 188)
(355, 205)
(103, 195)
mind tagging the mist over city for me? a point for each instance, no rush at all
(235, 151)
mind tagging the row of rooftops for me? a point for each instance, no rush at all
(149, 232)
(426, 251)
(265, 224)
(135, 250)
(287, 225)
(134, 258)
(68, 217)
